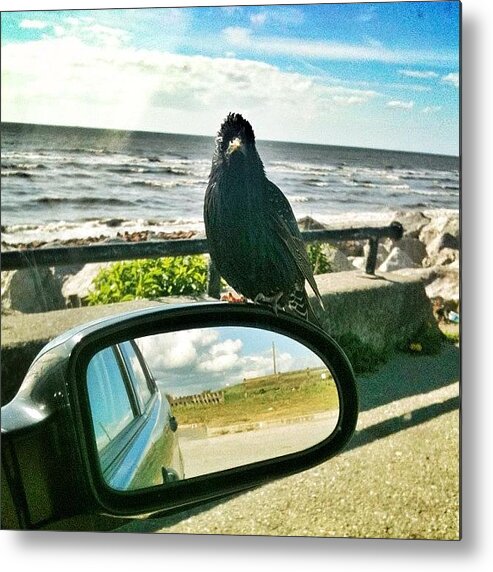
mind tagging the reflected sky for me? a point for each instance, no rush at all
(203, 359)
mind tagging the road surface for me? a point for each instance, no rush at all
(203, 455)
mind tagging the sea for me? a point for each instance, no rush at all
(64, 183)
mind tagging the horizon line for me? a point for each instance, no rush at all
(215, 135)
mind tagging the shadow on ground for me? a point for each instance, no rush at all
(406, 375)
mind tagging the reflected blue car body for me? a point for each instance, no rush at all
(134, 427)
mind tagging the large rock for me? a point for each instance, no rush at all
(413, 247)
(31, 290)
(339, 262)
(412, 221)
(309, 223)
(441, 241)
(77, 286)
(439, 281)
(358, 262)
(352, 247)
(445, 285)
(396, 260)
(441, 224)
(445, 257)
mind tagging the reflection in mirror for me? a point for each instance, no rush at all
(193, 402)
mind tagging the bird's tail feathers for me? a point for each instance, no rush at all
(299, 304)
(316, 291)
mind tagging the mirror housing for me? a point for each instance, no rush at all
(50, 465)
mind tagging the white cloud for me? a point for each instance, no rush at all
(452, 78)
(258, 19)
(418, 74)
(91, 32)
(34, 24)
(244, 38)
(176, 350)
(221, 357)
(237, 35)
(65, 81)
(432, 109)
(397, 104)
(348, 99)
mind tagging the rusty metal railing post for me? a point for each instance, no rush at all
(371, 259)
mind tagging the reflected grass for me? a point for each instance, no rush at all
(276, 397)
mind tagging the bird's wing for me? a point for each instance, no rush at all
(287, 228)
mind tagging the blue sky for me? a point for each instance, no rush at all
(381, 75)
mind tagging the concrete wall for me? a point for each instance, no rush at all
(381, 311)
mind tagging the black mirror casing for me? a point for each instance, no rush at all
(81, 485)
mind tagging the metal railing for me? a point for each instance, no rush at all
(71, 255)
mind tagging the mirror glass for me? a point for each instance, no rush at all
(181, 404)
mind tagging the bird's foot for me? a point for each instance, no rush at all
(272, 301)
(233, 298)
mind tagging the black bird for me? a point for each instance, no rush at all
(252, 233)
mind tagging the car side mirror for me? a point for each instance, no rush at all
(175, 406)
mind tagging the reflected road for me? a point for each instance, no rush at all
(207, 450)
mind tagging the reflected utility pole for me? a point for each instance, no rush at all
(274, 357)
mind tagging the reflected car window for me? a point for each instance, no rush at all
(137, 373)
(108, 396)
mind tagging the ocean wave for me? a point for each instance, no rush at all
(23, 166)
(21, 174)
(366, 184)
(127, 169)
(83, 201)
(167, 184)
(435, 193)
(299, 199)
(316, 183)
(88, 151)
(301, 168)
(442, 178)
(446, 187)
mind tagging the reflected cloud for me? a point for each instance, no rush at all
(198, 360)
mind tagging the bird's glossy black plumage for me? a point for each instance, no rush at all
(252, 233)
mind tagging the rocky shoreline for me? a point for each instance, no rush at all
(429, 250)
(126, 236)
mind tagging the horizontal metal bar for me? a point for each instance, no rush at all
(69, 255)
(394, 231)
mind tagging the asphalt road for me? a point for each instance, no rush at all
(398, 477)
(219, 452)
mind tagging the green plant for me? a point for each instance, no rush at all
(318, 258)
(149, 279)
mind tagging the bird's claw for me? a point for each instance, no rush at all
(272, 301)
(233, 298)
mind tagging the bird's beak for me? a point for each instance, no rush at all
(235, 144)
